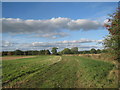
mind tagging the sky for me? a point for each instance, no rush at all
(43, 25)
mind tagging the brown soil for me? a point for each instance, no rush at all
(15, 57)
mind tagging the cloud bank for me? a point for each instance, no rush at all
(6, 45)
(50, 28)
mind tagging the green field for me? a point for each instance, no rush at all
(58, 72)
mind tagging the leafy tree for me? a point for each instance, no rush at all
(104, 51)
(54, 50)
(10, 53)
(83, 52)
(25, 52)
(98, 51)
(4, 53)
(35, 52)
(18, 52)
(74, 50)
(66, 51)
(93, 51)
(112, 42)
(30, 52)
(47, 52)
(42, 52)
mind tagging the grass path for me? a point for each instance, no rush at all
(57, 72)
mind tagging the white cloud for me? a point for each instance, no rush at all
(83, 24)
(51, 28)
(80, 41)
(52, 35)
(48, 45)
(6, 44)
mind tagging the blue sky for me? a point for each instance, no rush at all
(85, 21)
(74, 10)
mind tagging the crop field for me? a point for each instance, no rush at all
(15, 57)
(58, 72)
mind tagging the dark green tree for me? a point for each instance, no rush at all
(30, 52)
(47, 52)
(54, 50)
(10, 53)
(42, 52)
(4, 53)
(35, 52)
(74, 50)
(18, 52)
(98, 51)
(93, 51)
(66, 51)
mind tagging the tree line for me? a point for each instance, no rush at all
(74, 50)
(54, 51)
(29, 52)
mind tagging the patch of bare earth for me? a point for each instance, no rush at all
(16, 57)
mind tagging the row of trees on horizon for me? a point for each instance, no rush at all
(54, 51)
